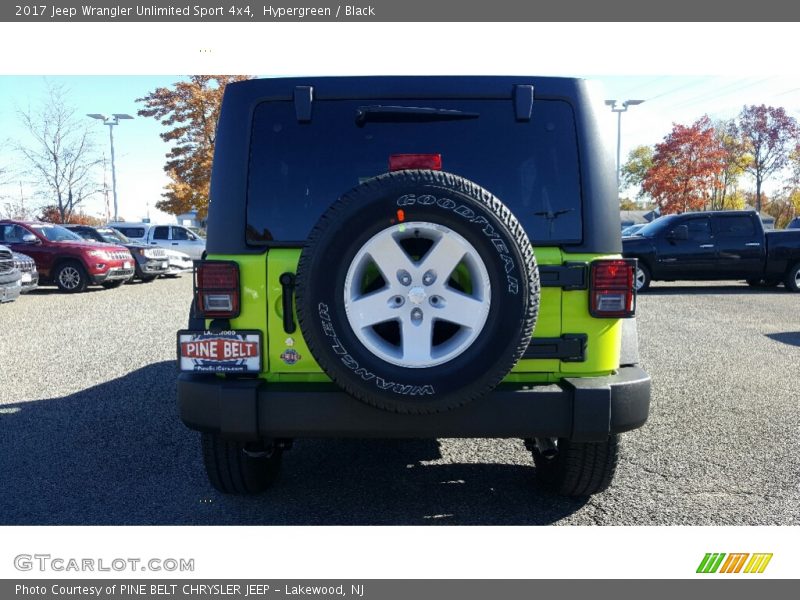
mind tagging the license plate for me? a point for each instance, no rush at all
(219, 351)
(127, 264)
(26, 278)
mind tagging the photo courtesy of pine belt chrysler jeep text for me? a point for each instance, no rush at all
(406, 257)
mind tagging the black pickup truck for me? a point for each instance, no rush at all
(715, 245)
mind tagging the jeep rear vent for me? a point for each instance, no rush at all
(612, 293)
(401, 162)
(216, 289)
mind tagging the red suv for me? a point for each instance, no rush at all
(66, 259)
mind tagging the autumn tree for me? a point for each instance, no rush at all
(685, 167)
(51, 214)
(189, 109)
(769, 135)
(634, 171)
(60, 156)
(787, 205)
(725, 193)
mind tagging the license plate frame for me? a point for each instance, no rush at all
(209, 353)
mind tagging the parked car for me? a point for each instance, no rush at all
(387, 288)
(65, 259)
(632, 229)
(150, 262)
(10, 285)
(715, 245)
(170, 237)
(29, 274)
(794, 223)
(179, 263)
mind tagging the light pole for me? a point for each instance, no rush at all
(111, 121)
(619, 108)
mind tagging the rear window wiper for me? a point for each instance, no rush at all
(408, 114)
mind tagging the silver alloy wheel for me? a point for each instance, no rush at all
(416, 294)
(640, 278)
(797, 278)
(69, 278)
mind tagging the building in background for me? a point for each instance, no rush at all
(189, 219)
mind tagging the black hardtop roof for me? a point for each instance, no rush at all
(227, 220)
(405, 86)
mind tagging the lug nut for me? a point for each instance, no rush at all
(404, 277)
(429, 277)
(436, 301)
(396, 301)
(416, 315)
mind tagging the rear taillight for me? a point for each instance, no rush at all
(401, 162)
(612, 290)
(216, 289)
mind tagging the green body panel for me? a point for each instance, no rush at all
(288, 359)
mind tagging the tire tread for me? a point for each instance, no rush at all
(580, 468)
(231, 471)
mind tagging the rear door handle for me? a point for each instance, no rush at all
(753, 244)
(174, 243)
(706, 245)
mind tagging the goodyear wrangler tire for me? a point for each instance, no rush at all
(417, 291)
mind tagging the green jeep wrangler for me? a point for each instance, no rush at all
(404, 257)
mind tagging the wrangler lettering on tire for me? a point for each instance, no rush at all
(418, 291)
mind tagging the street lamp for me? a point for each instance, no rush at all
(619, 108)
(111, 121)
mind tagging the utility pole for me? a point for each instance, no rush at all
(111, 122)
(619, 108)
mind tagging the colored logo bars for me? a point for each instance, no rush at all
(733, 563)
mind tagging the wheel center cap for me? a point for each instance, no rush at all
(417, 295)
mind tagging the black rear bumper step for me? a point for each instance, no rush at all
(581, 409)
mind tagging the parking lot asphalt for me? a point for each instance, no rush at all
(89, 431)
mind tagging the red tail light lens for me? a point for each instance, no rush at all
(612, 290)
(401, 162)
(216, 289)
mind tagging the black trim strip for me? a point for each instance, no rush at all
(569, 276)
(287, 295)
(567, 348)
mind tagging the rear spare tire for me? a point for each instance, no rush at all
(417, 291)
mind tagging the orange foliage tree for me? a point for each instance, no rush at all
(52, 214)
(190, 110)
(685, 167)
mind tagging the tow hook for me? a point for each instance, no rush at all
(546, 447)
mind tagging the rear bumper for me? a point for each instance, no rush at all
(585, 409)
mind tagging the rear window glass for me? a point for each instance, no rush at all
(736, 226)
(134, 232)
(297, 170)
